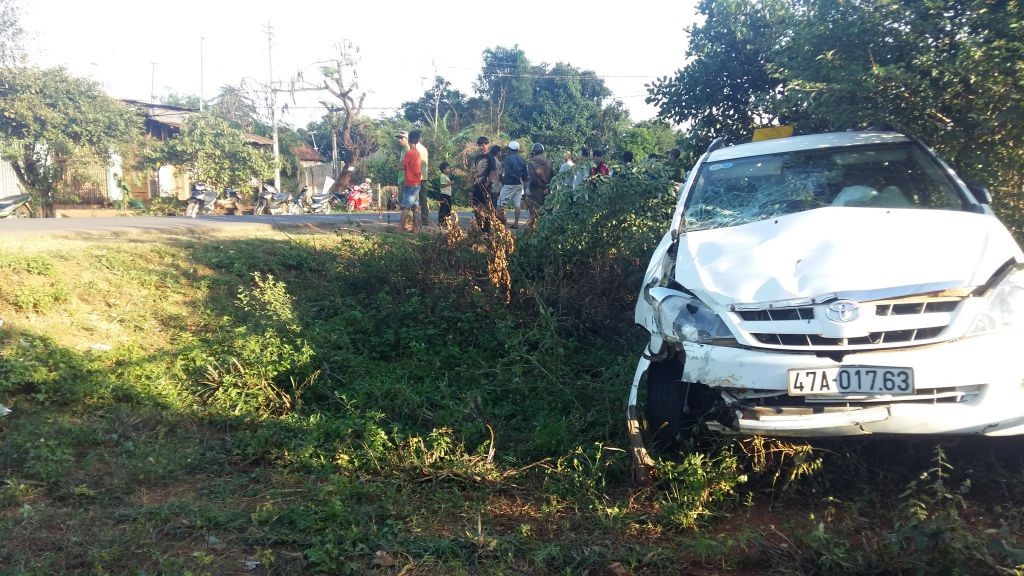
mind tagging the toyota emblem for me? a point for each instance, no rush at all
(842, 311)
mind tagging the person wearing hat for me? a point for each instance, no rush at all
(513, 182)
(539, 181)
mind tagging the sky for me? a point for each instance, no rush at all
(134, 49)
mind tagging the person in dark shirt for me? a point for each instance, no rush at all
(599, 168)
(513, 183)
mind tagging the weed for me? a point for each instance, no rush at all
(260, 367)
(583, 477)
(34, 368)
(39, 265)
(698, 487)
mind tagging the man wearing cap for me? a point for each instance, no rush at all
(513, 182)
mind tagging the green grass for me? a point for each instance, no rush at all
(348, 404)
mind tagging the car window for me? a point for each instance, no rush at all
(739, 191)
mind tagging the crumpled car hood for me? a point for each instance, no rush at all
(835, 249)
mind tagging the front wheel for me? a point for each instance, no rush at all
(259, 208)
(192, 209)
(665, 404)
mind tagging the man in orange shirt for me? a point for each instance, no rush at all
(411, 183)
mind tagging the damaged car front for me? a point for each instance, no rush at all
(827, 285)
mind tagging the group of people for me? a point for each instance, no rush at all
(503, 176)
(413, 166)
(500, 176)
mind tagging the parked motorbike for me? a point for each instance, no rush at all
(16, 206)
(202, 199)
(270, 201)
(323, 202)
(358, 197)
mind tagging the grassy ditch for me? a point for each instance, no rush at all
(391, 404)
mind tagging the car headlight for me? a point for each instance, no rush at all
(1005, 304)
(684, 318)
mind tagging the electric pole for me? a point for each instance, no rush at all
(152, 83)
(201, 40)
(273, 106)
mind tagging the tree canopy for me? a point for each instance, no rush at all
(216, 153)
(53, 124)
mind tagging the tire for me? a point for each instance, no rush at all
(192, 209)
(666, 400)
(258, 208)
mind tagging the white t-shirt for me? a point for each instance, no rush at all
(423, 160)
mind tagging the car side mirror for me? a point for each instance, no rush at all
(981, 193)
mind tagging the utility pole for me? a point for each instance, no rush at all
(152, 83)
(201, 40)
(273, 106)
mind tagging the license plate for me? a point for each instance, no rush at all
(852, 380)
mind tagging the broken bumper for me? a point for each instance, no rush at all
(968, 386)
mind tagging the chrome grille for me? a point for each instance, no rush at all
(899, 321)
(890, 337)
(777, 314)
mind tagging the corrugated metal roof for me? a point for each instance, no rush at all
(9, 183)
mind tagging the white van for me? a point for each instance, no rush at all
(833, 284)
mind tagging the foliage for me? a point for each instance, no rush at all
(263, 368)
(12, 49)
(592, 243)
(648, 137)
(172, 98)
(54, 125)
(727, 85)
(693, 489)
(440, 102)
(564, 107)
(504, 81)
(237, 106)
(947, 73)
(215, 153)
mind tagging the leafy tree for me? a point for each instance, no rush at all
(947, 72)
(564, 106)
(173, 98)
(214, 152)
(12, 48)
(53, 125)
(727, 87)
(236, 105)
(611, 123)
(441, 101)
(505, 78)
(648, 137)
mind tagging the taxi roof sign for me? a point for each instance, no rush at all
(772, 132)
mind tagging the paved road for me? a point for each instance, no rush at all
(133, 224)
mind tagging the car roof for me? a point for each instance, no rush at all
(809, 142)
